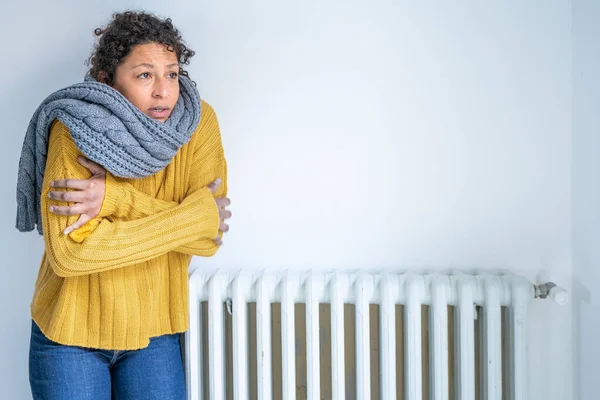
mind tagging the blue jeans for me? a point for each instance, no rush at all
(60, 372)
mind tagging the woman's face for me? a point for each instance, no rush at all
(149, 78)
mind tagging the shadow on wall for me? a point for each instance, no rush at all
(581, 297)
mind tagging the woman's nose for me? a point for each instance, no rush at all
(160, 88)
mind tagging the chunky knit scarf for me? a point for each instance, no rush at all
(109, 130)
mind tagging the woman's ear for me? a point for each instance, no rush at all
(103, 78)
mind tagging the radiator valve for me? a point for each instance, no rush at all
(549, 289)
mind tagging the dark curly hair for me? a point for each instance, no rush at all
(128, 29)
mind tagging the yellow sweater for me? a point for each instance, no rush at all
(123, 277)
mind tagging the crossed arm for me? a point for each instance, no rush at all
(132, 227)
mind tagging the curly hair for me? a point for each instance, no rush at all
(128, 29)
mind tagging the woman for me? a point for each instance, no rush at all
(125, 176)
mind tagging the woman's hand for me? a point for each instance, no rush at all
(88, 198)
(223, 213)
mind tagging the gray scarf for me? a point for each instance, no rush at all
(109, 130)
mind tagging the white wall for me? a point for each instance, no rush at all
(586, 197)
(381, 135)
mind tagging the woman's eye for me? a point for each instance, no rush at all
(144, 75)
(173, 75)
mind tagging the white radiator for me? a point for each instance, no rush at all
(489, 361)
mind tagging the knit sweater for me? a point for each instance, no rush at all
(123, 277)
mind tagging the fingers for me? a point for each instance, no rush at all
(214, 185)
(78, 197)
(224, 214)
(84, 219)
(79, 184)
(223, 227)
(223, 202)
(92, 166)
(66, 210)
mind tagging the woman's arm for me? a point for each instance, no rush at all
(124, 202)
(116, 244)
(128, 203)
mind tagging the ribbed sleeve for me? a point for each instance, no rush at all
(118, 243)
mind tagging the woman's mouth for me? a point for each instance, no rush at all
(159, 112)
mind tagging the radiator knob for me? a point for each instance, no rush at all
(559, 295)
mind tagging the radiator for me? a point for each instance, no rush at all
(463, 336)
